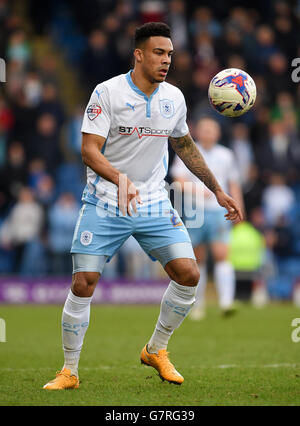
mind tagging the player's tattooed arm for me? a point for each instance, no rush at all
(187, 150)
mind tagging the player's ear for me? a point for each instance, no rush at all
(138, 55)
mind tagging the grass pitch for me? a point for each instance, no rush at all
(248, 359)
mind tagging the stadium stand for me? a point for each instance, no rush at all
(55, 55)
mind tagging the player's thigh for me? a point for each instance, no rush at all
(199, 236)
(99, 233)
(219, 250)
(165, 238)
(218, 229)
(164, 229)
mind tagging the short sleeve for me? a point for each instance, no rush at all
(181, 128)
(97, 116)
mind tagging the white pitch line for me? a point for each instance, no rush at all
(225, 366)
(213, 367)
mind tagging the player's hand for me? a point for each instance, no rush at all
(234, 211)
(128, 195)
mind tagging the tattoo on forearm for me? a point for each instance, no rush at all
(187, 150)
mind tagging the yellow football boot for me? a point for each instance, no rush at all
(63, 380)
(162, 364)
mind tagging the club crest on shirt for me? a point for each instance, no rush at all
(166, 108)
(93, 111)
(86, 238)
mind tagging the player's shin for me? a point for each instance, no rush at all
(75, 320)
(175, 305)
(225, 283)
(201, 287)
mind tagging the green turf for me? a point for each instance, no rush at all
(248, 359)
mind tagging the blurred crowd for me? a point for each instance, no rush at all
(41, 175)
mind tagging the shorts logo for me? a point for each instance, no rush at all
(93, 111)
(175, 220)
(86, 238)
(166, 108)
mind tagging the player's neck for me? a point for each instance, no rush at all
(143, 83)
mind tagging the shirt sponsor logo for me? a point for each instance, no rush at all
(93, 111)
(143, 131)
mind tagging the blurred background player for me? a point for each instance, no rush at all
(214, 233)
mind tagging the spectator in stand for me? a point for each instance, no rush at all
(242, 148)
(277, 199)
(6, 123)
(6, 116)
(176, 18)
(47, 66)
(32, 89)
(204, 51)
(259, 131)
(281, 238)
(263, 98)
(243, 21)
(36, 171)
(286, 36)
(265, 47)
(286, 109)
(22, 226)
(4, 14)
(124, 45)
(50, 104)
(236, 61)
(18, 49)
(253, 190)
(13, 176)
(74, 132)
(124, 10)
(204, 22)
(279, 78)
(24, 116)
(152, 11)
(45, 191)
(232, 44)
(62, 220)
(181, 71)
(97, 61)
(45, 142)
(273, 155)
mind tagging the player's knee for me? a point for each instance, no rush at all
(189, 277)
(220, 252)
(221, 256)
(84, 283)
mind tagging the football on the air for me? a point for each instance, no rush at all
(232, 92)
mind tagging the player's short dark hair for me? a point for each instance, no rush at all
(151, 29)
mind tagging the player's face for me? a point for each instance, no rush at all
(155, 58)
(208, 132)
